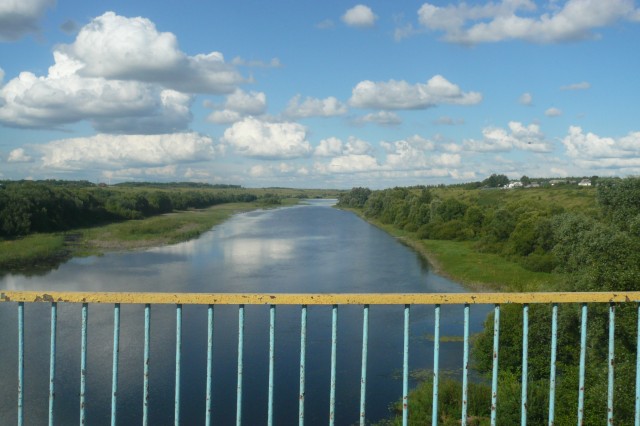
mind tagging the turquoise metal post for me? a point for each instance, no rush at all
(405, 369)
(83, 362)
(436, 363)
(494, 376)
(525, 364)
(207, 416)
(612, 327)
(240, 365)
(176, 414)
(637, 414)
(145, 384)
(52, 361)
(303, 346)
(583, 358)
(114, 371)
(363, 374)
(20, 363)
(552, 368)
(465, 366)
(334, 344)
(272, 357)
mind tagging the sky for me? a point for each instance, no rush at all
(318, 94)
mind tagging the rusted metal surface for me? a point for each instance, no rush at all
(317, 299)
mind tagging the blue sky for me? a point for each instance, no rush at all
(318, 94)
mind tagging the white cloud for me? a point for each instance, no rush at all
(577, 86)
(147, 56)
(553, 112)
(590, 146)
(21, 17)
(355, 146)
(331, 147)
(354, 163)
(254, 138)
(312, 107)
(518, 136)
(146, 172)
(526, 99)
(18, 155)
(402, 95)
(282, 169)
(382, 118)
(417, 154)
(238, 105)
(141, 86)
(334, 147)
(448, 121)
(360, 16)
(111, 106)
(493, 22)
(104, 151)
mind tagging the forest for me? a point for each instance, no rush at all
(28, 207)
(582, 238)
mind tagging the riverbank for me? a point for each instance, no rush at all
(458, 261)
(40, 252)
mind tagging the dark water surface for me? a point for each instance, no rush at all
(302, 249)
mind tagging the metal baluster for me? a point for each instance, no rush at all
(52, 361)
(405, 369)
(303, 344)
(583, 356)
(436, 362)
(525, 364)
(20, 363)
(363, 375)
(114, 372)
(637, 416)
(176, 415)
(465, 366)
(209, 364)
(272, 356)
(612, 327)
(334, 343)
(145, 385)
(240, 366)
(83, 362)
(494, 376)
(552, 374)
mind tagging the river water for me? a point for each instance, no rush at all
(303, 249)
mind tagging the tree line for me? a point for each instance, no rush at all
(49, 206)
(589, 236)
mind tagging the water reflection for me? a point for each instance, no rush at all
(302, 249)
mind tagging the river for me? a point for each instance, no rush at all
(303, 249)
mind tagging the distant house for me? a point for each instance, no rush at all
(585, 182)
(516, 184)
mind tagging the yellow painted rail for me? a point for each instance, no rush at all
(319, 299)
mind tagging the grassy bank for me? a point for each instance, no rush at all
(458, 261)
(41, 251)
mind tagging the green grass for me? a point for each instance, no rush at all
(30, 250)
(459, 261)
(158, 230)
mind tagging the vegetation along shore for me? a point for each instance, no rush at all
(543, 237)
(43, 223)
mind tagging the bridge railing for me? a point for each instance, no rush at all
(611, 300)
